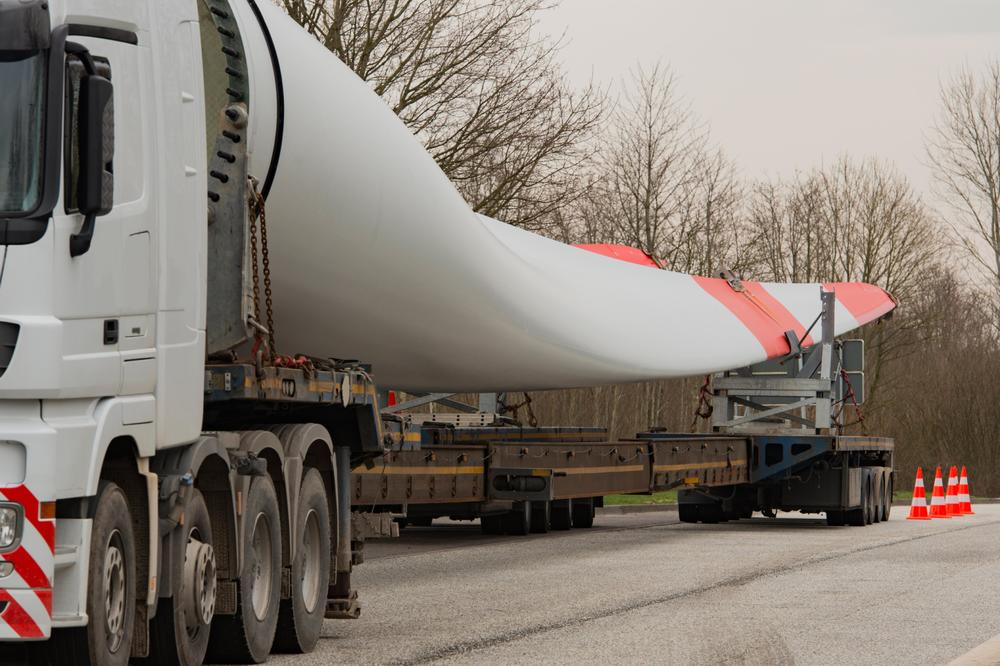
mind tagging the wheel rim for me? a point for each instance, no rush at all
(199, 584)
(115, 589)
(311, 562)
(261, 582)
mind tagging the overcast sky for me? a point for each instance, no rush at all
(788, 84)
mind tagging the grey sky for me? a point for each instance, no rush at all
(788, 84)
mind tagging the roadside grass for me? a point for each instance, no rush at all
(665, 497)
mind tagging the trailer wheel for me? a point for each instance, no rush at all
(562, 514)
(711, 514)
(870, 504)
(300, 618)
(583, 512)
(247, 636)
(856, 517)
(879, 504)
(687, 513)
(541, 517)
(179, 632)
(887, 508)
(518, 520)
(492, 523)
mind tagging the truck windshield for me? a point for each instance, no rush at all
(22, 100)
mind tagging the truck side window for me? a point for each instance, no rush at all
(74, 72)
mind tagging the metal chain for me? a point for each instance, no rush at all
(705, 408)
(258, 212)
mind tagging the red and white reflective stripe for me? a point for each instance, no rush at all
(28, 590)
(26, 613)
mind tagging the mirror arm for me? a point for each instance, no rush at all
(80, 243)
(83, 53)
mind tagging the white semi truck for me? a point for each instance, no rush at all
(158, 499)
(174, 489)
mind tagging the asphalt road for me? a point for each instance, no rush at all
(643, 588)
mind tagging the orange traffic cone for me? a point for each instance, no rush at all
(918, 505)
(964, 501)
(938, 509)
(951, 497)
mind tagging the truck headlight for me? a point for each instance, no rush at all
(9, 520)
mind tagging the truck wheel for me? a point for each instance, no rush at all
(492, 523)
(300, 619)
(107, 639)
(541, 517)
(179, 632)
(518, 520)
(247, 636)
(562, 514)
(583, 512)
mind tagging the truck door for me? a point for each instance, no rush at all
(105, 295)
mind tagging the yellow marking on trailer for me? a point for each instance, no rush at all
(412, 437)
(608, 469)
(413, 470)
(704, 465)
(321, 387)
(541, 472)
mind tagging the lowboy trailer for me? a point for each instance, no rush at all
(778, 444)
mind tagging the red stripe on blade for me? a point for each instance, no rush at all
(763, 325)
(785, 319)
(865, 302)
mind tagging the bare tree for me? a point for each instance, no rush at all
(472, 80)
(964, 149)
(853, 221)
(657, 184)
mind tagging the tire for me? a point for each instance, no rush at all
(82, 646)
(541, 517)
(107, 638)
(711, 514)
(887, 509)
(583, 512)
(879, 503)
(562, 514)
(870, 504)
(492, 523)
(300, 619)
(518, 520)
(247, 636)
(688, 513)
(835, 518)
(176, 638)
(856, 517)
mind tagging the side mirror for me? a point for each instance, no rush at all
(97, 184)
(96, 146)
